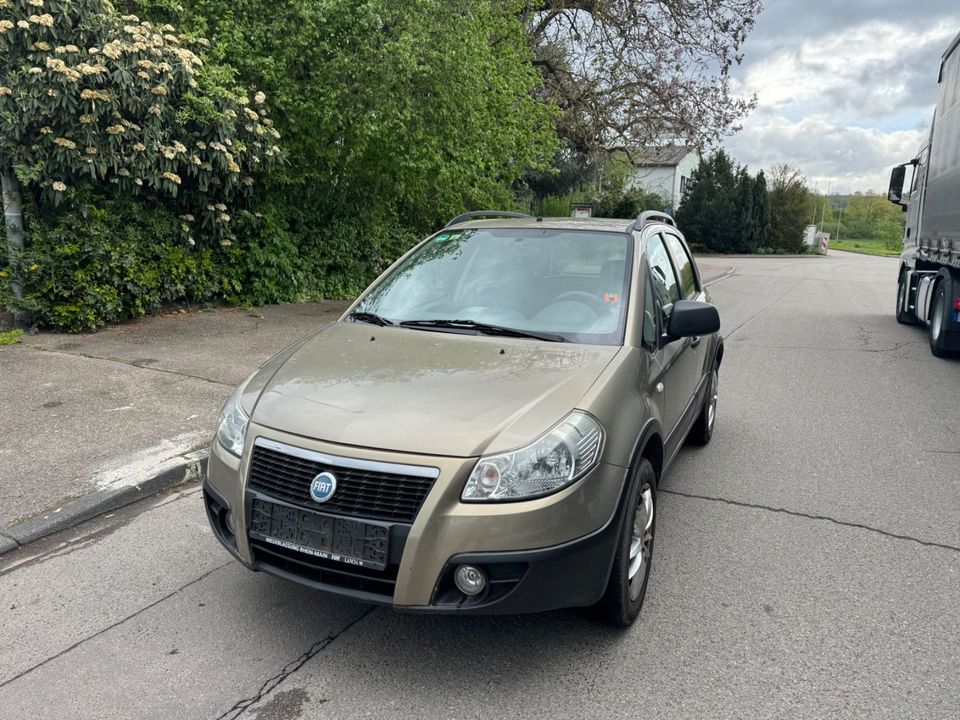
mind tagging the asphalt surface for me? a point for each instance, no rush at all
(807, 565)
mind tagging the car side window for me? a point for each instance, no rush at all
(666, 288)
(688, 278)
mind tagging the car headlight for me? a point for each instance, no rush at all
(233, 423)
(559, 457)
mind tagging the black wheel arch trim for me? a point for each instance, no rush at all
(952, 280)
(945, 274)
(718, 352)
(650, 430)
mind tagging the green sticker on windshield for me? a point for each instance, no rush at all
(444, 237)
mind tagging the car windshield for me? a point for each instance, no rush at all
(571, 284)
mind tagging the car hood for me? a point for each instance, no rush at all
(425, 392)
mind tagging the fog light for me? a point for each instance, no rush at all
(470, 580)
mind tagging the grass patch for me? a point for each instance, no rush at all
(11, 337)
(868, 247)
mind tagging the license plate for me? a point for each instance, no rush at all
(333, 538)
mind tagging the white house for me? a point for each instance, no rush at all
(664, 170)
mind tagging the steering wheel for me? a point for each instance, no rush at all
(583, 298)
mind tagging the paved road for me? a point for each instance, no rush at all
(808, 566)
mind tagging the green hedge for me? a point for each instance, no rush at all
(97, 260)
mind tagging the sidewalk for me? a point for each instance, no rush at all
(93, 422)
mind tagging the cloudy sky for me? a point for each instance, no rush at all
(845, 88)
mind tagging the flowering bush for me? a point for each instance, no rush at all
(89, 95)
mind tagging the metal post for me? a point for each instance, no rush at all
(823, 213)
(13, 220)
(839, 218)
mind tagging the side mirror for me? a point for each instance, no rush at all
(895, 191)
(690, 319)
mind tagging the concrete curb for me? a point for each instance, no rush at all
(719, 276)
(99, 502)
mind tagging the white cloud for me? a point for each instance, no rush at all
(871, 69)
(845, 158)
(843, 106)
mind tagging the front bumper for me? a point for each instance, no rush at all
(539, 554)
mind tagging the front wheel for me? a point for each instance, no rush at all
(702, 429)
(620, 604)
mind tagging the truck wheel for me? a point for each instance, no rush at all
(627, 586)
(903, 316)
(939, 322)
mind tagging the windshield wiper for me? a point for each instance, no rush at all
(369, 317)
(484, 328)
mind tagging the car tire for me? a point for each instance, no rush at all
(939, 322)
(627, 586)
(702, 429)
(903, 317)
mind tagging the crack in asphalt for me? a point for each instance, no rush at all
(139, 366)
(67, 549)
(241, 706)
(101, 631)
(819, 348)
(764, 308)
(81, 541)
(810, 516)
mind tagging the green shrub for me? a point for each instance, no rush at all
(627, 204)
(263, 265)
(554, 206)
(342, 258)
(10, 337)
(96, 261)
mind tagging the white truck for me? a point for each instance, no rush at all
(929, 281)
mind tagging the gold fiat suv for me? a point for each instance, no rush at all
(484, 430)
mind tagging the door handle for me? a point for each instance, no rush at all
(695, 341)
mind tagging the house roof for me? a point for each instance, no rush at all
(661, 156)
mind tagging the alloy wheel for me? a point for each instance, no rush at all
(712, 399)
(641, 542)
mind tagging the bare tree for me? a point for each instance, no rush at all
(628, 73)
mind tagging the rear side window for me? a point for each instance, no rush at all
(688, 278)
(666, 287)
(649, 317)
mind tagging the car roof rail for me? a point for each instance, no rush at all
(486, 213)
(650, 216)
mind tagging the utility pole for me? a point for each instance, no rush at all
(839, 218)
(13, 217)
(823, 214)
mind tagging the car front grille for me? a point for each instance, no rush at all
(370, 493)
